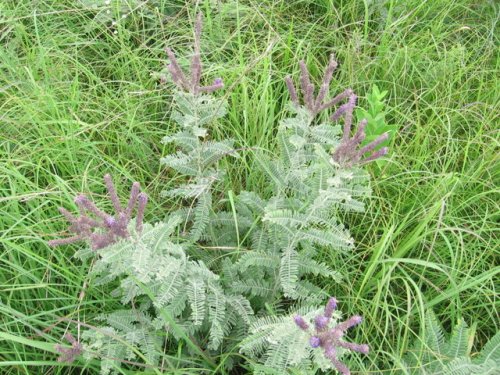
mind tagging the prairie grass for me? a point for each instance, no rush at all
(78, 101)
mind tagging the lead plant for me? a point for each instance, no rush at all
(315, 177)
(215, 296)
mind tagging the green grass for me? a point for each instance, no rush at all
(77, 101)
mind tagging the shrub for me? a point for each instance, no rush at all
(172, 289)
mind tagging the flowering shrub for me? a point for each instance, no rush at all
(212, 297)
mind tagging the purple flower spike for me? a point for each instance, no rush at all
(142, 201)
(218, 84)
(329, 339)
(176, 71)
(105, 229)
(301, 323)
(331, 306)
(321, 322)
(349, 323)
(291, 89)
(318, 104)
(112, 192)
(69, 354)
(363, 348)
(192, 84)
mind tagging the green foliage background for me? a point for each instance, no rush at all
(79, 97)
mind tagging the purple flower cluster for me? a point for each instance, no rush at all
(347, 154)
(191, 85)
(329, 339)
(109, 228)
(69, 354)
(315, 105)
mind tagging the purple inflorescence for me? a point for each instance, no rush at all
(301, 322)
(315, 105)
(331, 338)
(321, 322)
(191, 85)
(110, 228)
(330, 307)
(69, 354)
(347, 153)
